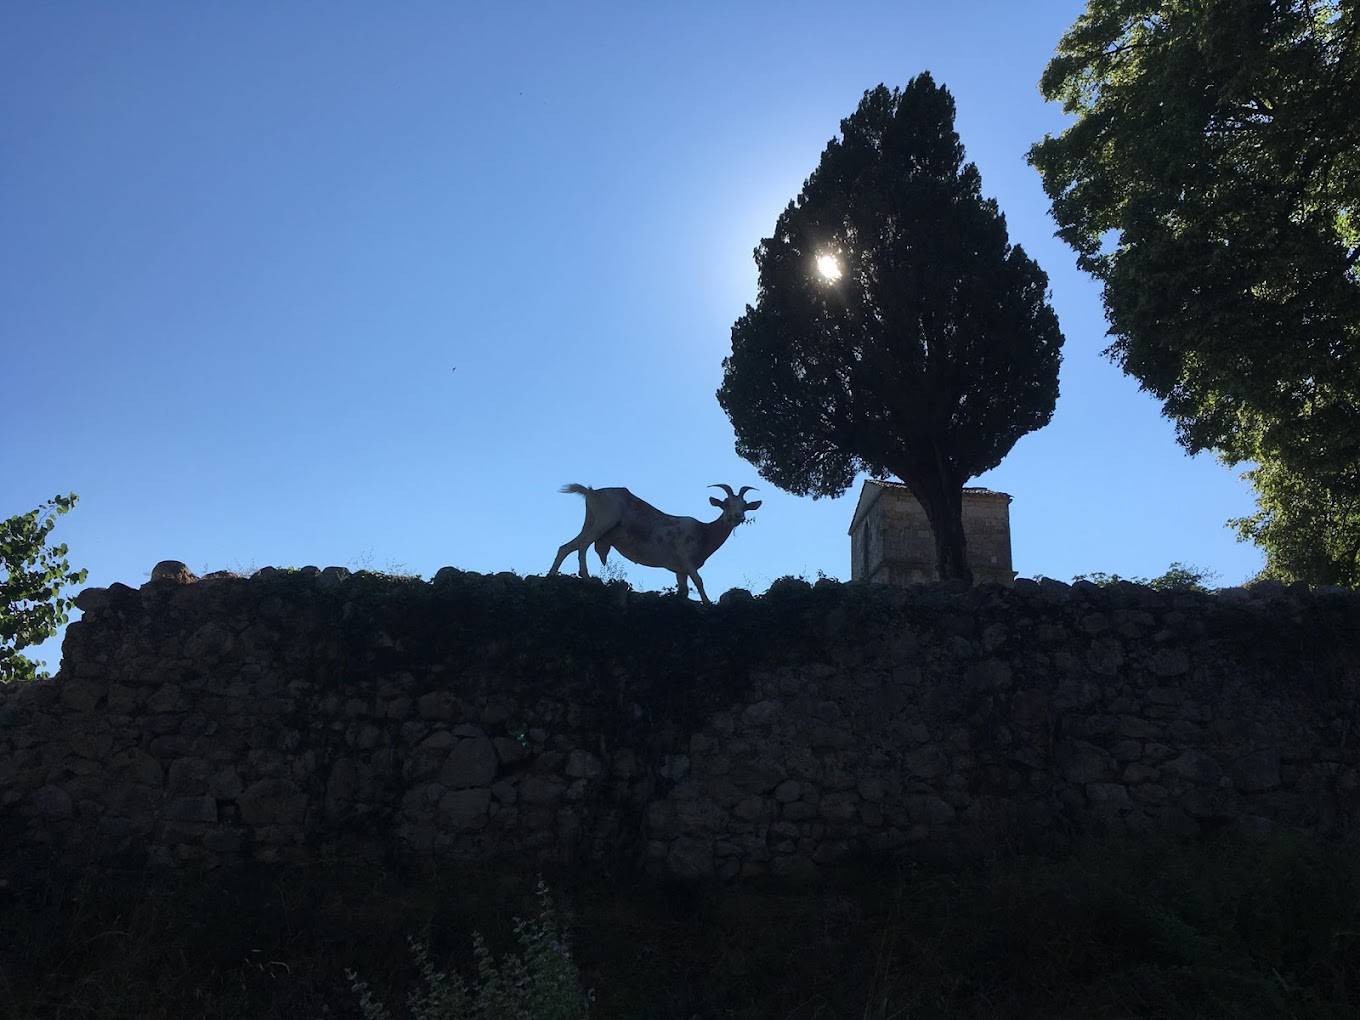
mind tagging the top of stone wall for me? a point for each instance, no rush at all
(170, 579)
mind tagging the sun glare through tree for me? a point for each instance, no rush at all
(829, 267)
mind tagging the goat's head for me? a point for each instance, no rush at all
(734, 507)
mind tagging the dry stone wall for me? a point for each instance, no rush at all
(197, 723)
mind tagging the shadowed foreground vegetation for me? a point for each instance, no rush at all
(1114, 930)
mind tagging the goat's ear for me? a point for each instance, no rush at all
(753, 506)
(716, 502)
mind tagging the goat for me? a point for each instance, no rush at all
(616, 519)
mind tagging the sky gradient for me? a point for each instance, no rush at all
(247, 246)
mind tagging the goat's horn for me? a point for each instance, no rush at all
(745, 489)
(725, 488)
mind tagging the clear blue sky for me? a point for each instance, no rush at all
(245, 245)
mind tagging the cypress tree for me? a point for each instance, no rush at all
(896, 330)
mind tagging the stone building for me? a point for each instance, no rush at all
(891, 541)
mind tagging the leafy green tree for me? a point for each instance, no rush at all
(896, 329)
(31, 604)
(1308, 531)
(1211, 182)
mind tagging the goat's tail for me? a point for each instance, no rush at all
(576, 487)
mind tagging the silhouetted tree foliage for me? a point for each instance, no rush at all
(31, 604)
(933, 351)
(1211, 182)
(1178, 577)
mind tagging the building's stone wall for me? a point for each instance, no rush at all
(987, 526)
(476, 718)
(891, 541)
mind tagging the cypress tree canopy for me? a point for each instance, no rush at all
(896, 329)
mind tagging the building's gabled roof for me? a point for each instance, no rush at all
(875, 487)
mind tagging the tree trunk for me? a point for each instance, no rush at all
(951, 548)
(942, 500)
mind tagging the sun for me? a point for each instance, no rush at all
(829, 267)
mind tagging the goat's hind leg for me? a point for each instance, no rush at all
(563, 552)
(579, 544)
(598, 525)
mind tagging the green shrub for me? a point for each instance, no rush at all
(540, 982)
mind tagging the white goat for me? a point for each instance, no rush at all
(617, 519)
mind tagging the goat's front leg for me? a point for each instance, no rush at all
(698, 583)
(681, 585)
